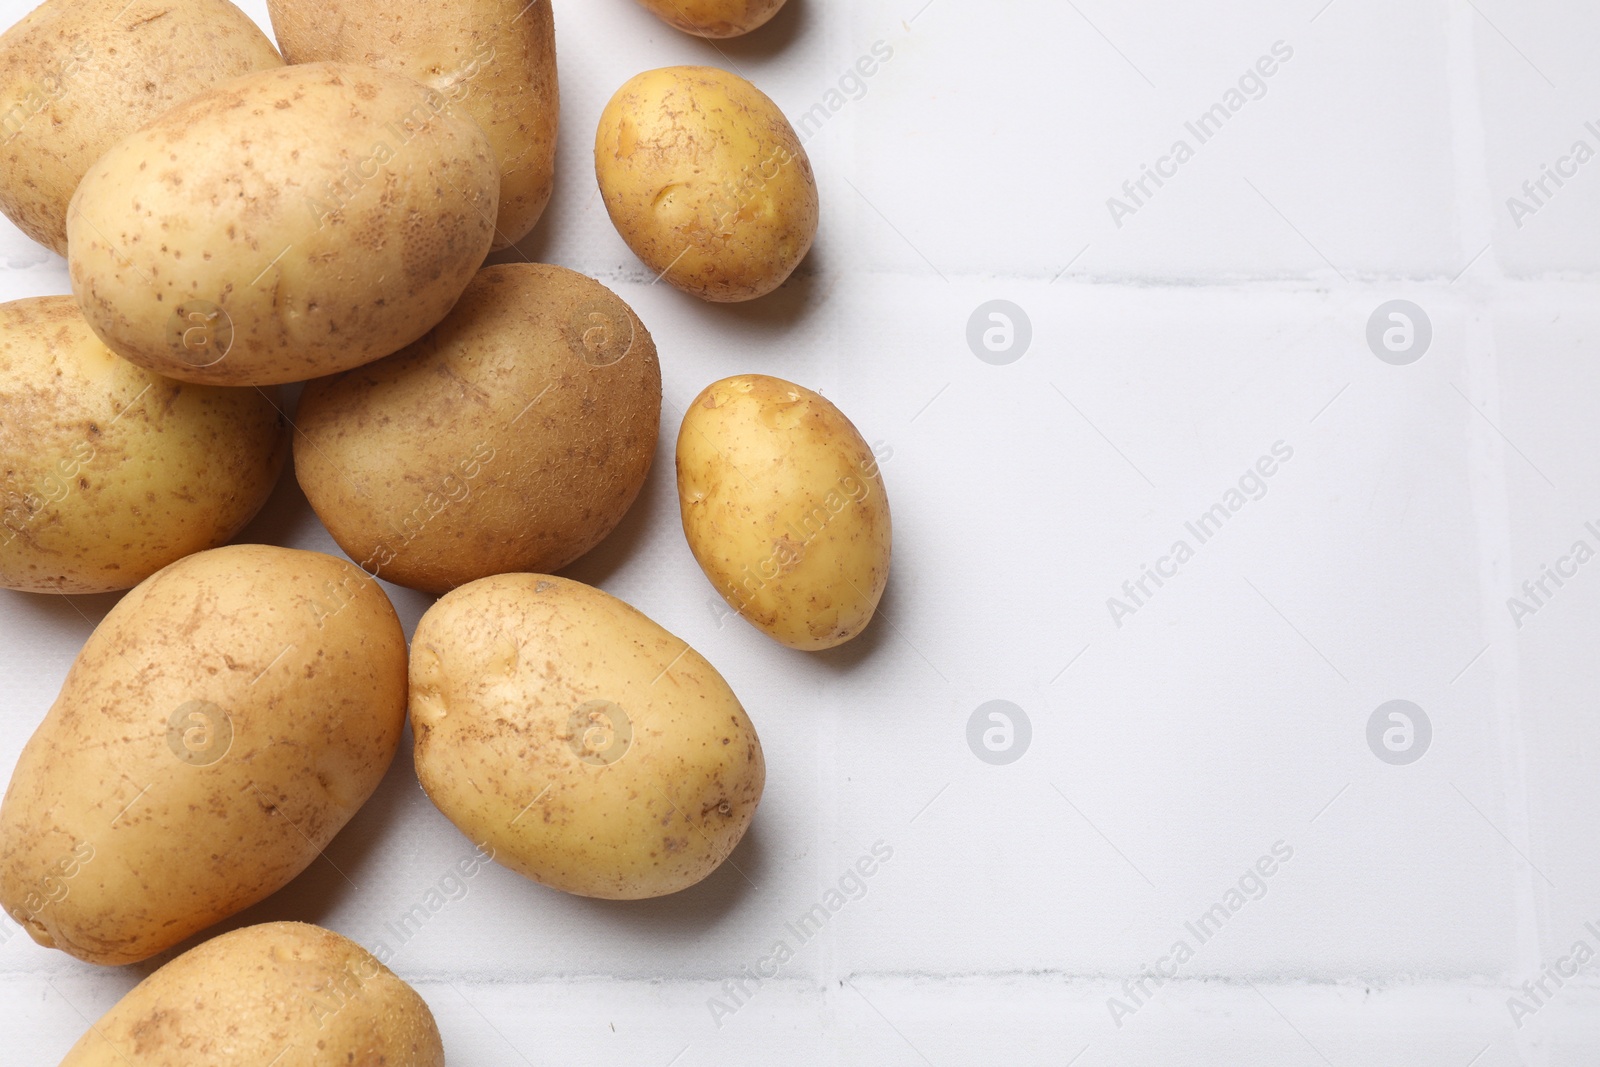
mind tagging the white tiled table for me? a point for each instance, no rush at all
(1228, 713)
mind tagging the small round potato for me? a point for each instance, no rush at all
(77, 76)
(495, 59)
(714, 18)
(541, 398)
(222, 723)
(109, 472)
(706, 181)
(592, 750)
(284, 225)
(276, 995)
(784, 507)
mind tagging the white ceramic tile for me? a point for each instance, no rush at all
(1176, 741)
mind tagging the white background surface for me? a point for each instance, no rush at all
(1168, 354)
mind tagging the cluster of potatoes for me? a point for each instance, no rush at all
(234, 220)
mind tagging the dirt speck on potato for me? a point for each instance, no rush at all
(784, 507)
(250, 994)
(76, 76)
(492, 60)
(368, 199)
(640, 801)
(706, 181)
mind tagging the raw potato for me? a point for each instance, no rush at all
(587, 747)
(495, 59)
(784, 506)
(108, 472)
(277, 995)
(714, 18)
(285, 225)
(222, 723)
(541, 394)
(706, 181)
(77, 76)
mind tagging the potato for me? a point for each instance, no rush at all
(541, 395)
(580, 743)
(221, 724)
(77, 76)
(275, 995)
(706, 182)
(287, 224)
(784, 507)
(494, 59)
(108, 472)
(714, 18)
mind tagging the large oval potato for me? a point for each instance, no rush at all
(541, 394)
(77, 76)
(276, 995)
(110, 472)
(590, 749)
(494, 59)
(706, 181)
(784, 507)
(284, 225)
(222, 723)
(714, 18)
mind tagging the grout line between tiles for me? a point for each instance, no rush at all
(1490, 488)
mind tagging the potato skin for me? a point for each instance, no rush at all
(77, 76)
(284, 225)
(222, 723)
(495, 60)
(536, 445)
(515, 679)
(784, 507)
(714, 18)
(706, 181)
(109, 472)
(285, 994)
